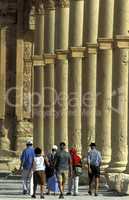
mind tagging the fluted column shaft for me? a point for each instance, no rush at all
(61, 70)
(4, 141)
(39, 80)
(104, 79)
(49, 28)
(75, 73)
(89, 72)
(120, 88)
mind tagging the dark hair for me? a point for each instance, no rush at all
(53, 149)
(62, 144)
(37, 150)
(93, 144)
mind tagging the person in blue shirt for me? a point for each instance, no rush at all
(94, 161)
(27, 158)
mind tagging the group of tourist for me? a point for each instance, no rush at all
(55, 168)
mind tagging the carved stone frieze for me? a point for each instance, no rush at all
(62, 3)
(49, 4)
(27, 80)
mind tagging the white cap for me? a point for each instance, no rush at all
(29, 142)
(55, 147)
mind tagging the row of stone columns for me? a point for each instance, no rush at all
(81, 53)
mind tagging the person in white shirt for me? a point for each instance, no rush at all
(39, 172)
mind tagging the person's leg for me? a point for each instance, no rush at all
(29, 182)
(96, 185)
(63, 181)
(90, 184)
(42, 183)
(34, 185)
(76, 182)
(97, 177)
(59, 180)
(70, 184)
(24, 179)
(42, 191)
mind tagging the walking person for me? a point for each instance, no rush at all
(52, 183)
(94, 161)
(27, 157)
(63, 167)
(39, 172)
(77, 169)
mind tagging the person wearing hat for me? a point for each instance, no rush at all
(94, 161)
(27, 158)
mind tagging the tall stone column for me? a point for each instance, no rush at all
(104, 79)
(89, 72)
(61, 71)
(49, 74)
(4, 141)
(38, 113)
(120, 88)
(20, 137)
(75, 72)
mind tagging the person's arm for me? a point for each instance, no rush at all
(46, 161)
(22, 161)
(100, 158)
(88, 163)
(55, 161)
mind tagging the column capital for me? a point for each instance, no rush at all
(121, 41)
(49, 58)
(61, 54)
(105, 43)
(49, 4)
(77, 52)
(62, 3)
(38, 60)
(39, 8)
(91, 48)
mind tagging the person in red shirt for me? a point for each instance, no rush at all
(76, 168)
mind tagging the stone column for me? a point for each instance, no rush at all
(49, 74)
(20, 137)
(39, 78)
(104, 79)
(61, 70)
(4, 141)
(89, 72)
(120, 88)
(75, 72)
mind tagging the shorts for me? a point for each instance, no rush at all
(39, 177)
(62, 176)
(95, 171)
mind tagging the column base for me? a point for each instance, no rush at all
(116, 167)
(8, 160)
(4, 143)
